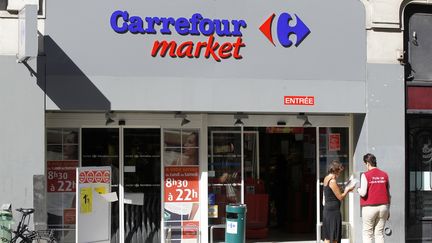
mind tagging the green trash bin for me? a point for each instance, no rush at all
(235, 223)
(5, 226)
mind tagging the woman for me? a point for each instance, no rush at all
(332, 218)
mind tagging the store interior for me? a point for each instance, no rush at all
(280, 181)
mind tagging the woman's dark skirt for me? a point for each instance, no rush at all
(332, 225)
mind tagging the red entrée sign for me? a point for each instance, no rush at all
(299, 100)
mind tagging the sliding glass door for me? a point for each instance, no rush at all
(134, 157)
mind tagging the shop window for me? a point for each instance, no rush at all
(419, 174)
(181, 184)
(62, 151)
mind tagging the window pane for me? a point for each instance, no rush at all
(224, 166)
(62, 160)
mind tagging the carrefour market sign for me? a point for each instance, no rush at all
(197, 25)
(219, 32)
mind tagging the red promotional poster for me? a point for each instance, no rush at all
(61, 176)
(69, 216)
(190, 229)
(181, 184)
(334, 142)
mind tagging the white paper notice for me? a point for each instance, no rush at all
(110, 197)
(352, 182)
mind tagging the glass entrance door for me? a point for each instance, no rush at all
(333, 145)
(101, 147)
(270, 169)
(225, 175)
(134, 157)
(142, 187)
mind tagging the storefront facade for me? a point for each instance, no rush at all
(116, 82)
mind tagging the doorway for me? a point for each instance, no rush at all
(419, 192)
(277, 172)
(134, 157)
(270, 169)
(288, 169)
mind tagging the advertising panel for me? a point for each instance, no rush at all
(181, 201)
(93, 191)
(181, 185)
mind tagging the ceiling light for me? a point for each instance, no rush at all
(307, 123)
(108, 117)
(183, 116)
(304, 117)
(239, 117)
(238, 122)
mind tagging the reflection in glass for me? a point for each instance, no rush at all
(181, 147)
(419, 154)
(334, 145)
(224, 166)
(142, 170)
(62, 159)
(54, 152)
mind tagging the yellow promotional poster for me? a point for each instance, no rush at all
(86, 200)
(100, 190)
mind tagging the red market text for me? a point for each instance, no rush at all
(197, 25)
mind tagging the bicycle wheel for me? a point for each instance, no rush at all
(25, 241)
(43, 236)
(43, 239)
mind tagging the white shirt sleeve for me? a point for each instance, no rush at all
(362, 190)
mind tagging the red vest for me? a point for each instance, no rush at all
(377, 188)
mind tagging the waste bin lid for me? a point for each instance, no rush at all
(236, 208)
(6, 214)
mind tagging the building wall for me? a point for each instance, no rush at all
(382, 132)
(22, 133)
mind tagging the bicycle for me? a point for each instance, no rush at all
(23, 234)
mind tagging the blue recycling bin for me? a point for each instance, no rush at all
(235, 223)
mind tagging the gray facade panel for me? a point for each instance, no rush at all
(382, 132)
(108, 93)
(84, 49)
(22, 132)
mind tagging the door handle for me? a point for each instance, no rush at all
(414, 38)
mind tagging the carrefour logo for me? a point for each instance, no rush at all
(224, 36)
(284, 29)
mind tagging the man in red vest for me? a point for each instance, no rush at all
(374, 200)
